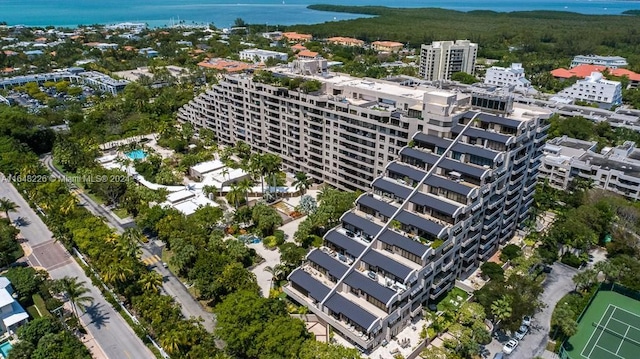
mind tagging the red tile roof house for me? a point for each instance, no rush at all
(582, 71)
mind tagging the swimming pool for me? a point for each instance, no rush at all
(136, 154)
(4, 349)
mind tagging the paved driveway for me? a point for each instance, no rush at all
(558, 283)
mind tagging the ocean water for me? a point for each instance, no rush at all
(223, 13)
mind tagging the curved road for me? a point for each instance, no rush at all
(172, 285)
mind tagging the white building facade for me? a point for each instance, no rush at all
(259, 55)
(512, 76)
(596, 89)
(441, 59)
(613, 169)
(612, 62)
(444, 206)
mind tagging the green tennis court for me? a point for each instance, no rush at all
(608, 329)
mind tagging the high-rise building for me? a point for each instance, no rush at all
(452, 197)
(343, 134)
(441, 59)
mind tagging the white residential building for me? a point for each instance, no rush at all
(614, 169)
(441, 59)
(445, 205)
(512, 76)
(12, 315)
(612, 62)
(596, 89)
(259, 55)
(343, 134)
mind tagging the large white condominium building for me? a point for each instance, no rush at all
(343, 133)
(441, 59)
(448, 201)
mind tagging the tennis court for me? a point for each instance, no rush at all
(617, 335)
(608, 329)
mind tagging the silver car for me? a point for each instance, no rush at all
(521, 332)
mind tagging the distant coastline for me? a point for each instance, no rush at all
(222, 13)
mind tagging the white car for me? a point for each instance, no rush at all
(510, 346)
(521, 332)
(526, 320)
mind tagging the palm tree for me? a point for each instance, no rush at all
(501, 308)
(151, 281)
(76, 293)
(68, 205)
(7, 205)
(585, 279)
(172, 340)
(210, 190)
(302, 182)
(276, 272)
(225, 173)
(116, 273)
(234, 195)
(256, 167)
(128, 243)
(245, 186)
(270, 166)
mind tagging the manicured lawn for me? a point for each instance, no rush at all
(38, 302)
(121, 212)
(33, 312)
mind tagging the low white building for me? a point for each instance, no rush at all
(507, 77)
(612, 62)
(12, 315)
(596, 89)
(198, 171)
(259, 55)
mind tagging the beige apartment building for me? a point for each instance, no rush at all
(441, 59)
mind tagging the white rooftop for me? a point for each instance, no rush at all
(5, 298)
(179, 196)
(190, 206)
(220, 177)
(17, 316)
(4, 282)
(206, 167)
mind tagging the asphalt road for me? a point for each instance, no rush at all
(558, 283)
(32, 229)
(109, 329)
(172, 286)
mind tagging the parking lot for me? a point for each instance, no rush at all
(558, 283)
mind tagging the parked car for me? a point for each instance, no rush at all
(510, 346)
(526, 320)
(498, 356)
(521, 332)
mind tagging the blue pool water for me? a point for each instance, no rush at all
(137, 154)
(5, 348)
